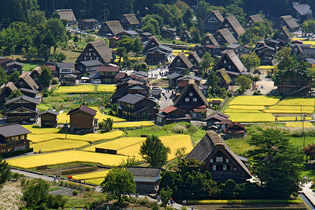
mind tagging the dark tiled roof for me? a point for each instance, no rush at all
(23, 97)
(290, 21)
(28, 80)
(84, 109)
(209, 145)
(49, 112)
(144, 171)
(91, 63)
(132, 98)
(185, 91)
(174, 75)
(103, 50)
(256, 18)
(28, 90)
(114, 26)
(131, 18)
(235, 25)
(15, 63)
(13, 130)
(108, 69)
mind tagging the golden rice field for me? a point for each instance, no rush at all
(297, 38)
(287, 111)
(93, 175)
(309, 42)
(254, 101)
(297, 102)
(133, 124)
(241, 111)
(38, 130)
(283, 119)
(64, 157)
(247, 107)
(251, 117)
(266, 67)
(57, 145)
(298, 108)
(117, 144)
(106, 88)
(91, 137)
(86, 89)
(213, 99)
(299, 124)
(95, 181)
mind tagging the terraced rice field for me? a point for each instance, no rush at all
(247, 107)
(106, 88)
(133, 124)
(95, 181)
(299, 124)
(93, 175)
(57, 145)
(38, 130)
(254, 101)
(283, 119)
(86, 89)
(57, 158)
(297, 102)
(251, 117)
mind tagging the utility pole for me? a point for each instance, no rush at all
(66, 129)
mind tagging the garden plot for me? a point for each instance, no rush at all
(58, 144)
(57, 158)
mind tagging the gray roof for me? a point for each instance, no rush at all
(174, 75)
(131, 19)
(25, 98)
(28, 90)
(65, 65)
(209, 145)
(49, 112)
(84, 109)
(256, 18)
(227, 35)
(103, 50)
(234, 58)
(132, 98)
(130, 32)
(92, 63)
(144, 171)
(235, 25)
(303, 9)
(114, 26)
(233, 46)
(189, 77)
(15, 63)
(290, 21)
(13, 130)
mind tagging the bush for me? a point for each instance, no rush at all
(178, 128)
(75, 192)
(155, 206)
(54, 81)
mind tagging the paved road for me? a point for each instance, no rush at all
(309, 194)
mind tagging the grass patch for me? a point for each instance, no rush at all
(239, 145)
(81, 200)
(44, 107)
(190, 202)
(298, 141)
(93, 175)
(30, 66)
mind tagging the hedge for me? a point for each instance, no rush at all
(191, 202)
(79, 170)
(16, 153)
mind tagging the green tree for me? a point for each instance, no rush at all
(206, 62)
(250, 61)
(188, 18)
(283, 53)
(195, 35)
(137, 46)
(106, 125)
(244, 82)
(238, 12)
(58, 31)
(45, 78)
(5, 171)
(14, 76)
(119, 181)
(165, 196)
(154, 152)
(15, 93)
(309, 26)
(276, 162)
(3, 76)
(127, 43)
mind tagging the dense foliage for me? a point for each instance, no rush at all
(5, 171)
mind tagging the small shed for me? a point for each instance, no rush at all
(83, 120)
(48, 119)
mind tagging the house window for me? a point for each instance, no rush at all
(214, 167)
(15, 69)
(178, 60)
(226, 25)
(194, 99)
(227, 160)
(94, 54)
(97, 58)
(224, 167)
(190, 94)
(207, 42)
(84, 58)
(219, 159)
(186, 99)
(90, 49)
(235, 168)
(224, 61)
(211, 160)
(230, 66)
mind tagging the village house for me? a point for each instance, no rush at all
(136, 107)
(129, 33)
(110, 28)
(212, 22)
(120, 76)
(67, 15)
(183, 81)
(233, 25)
(145, 36)
(13, 137)
(224, 36)
(219, 159)
(254, 19)
(185, 36)
(159, 55)
(284, 36)
(151, 43)
(302, 12)
(224, 80)
(218, 121)
(239, 49)
(96, 50)
(48, 119)
(193, 101)
(88, 66)
(70, 80)
(35, 73)
(303, 51)
(129, 22)
(180, 64)
(10, 66)
(21, 109)
(108, 73)
(82, 120)
(88, 24)
(196, 61)
(289, 22)
(147, 179)
(234, 130)
(231, 63)
(25, 81)
(170, 115)
(6, 90)
(65, 69)
(29, 92)
(265, 53)
(209, 40)
(172, 79)
(169, 33)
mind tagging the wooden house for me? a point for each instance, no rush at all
(152, 42)
(219, 159)
(214, 119)
(209, 40)
(183, 81)
(110, 28)
(231, 63)
(145, 36)
(159, 55)
(147, 179)
(96, 50)
(29, 92)
(48, 119)
(185, 36)
(169, 33)
(235, 130)
(67, 15)
(212, 22)
(35, 73)
(170, 115)
(194, 59)
(136, 107)
(284, 35)
(192, 100)
(254, 19)
(129, 22)
(233, 25)
(82, 120)
(119, 77)
(129, 33)
(180, 64)
(13, 137)
(303, 51)
(302, 12)
(172, 79)
(224, 36)
(21, 109)
(265, 53)
(25, 81)
(224, 80)
(289, 22)
(13, 66)
(88, 66)
(88, 24)
(239, 49)
(66, 69)
(6, 91)
(108, 73)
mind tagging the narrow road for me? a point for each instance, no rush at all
(308, 193)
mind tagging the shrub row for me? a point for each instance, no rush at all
(79, 187)
(16, 153)
(79, 170)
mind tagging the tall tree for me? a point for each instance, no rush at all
(45, 78)
(5, 171)
(119, 181)
(58, 30)
(14, 76)
(154, 152)
(250, 61)
(188, 18)
(276, 162)
(206, 62)
(3, 76)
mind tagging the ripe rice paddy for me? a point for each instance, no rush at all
(93, 175)
(133, 124)
(57, 145)
(254, 101)
(299, 124)
(86, 89)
